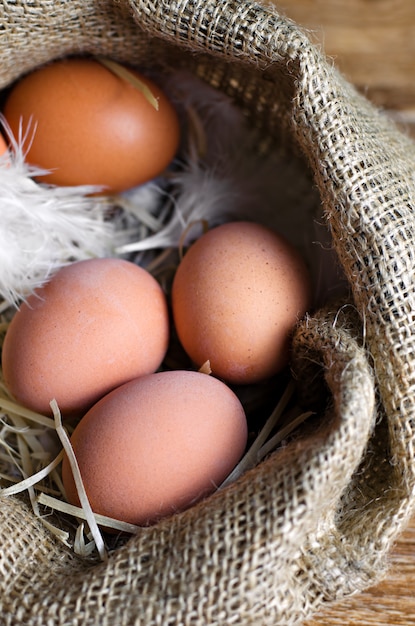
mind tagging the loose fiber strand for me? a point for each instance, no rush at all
(78, 481)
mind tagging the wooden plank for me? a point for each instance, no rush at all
(371, 41)
(391, 603)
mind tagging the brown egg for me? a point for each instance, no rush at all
(3, 145)
(236, 297)
(156, 445)
(89, 126)
(95, 325)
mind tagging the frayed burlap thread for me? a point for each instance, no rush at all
(315, 521)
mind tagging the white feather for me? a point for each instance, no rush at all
(42, 227)
(228, 179)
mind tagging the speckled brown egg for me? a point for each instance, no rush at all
(157, 445)
(93, 326)
(89, 126)
(236, 297)
(3, 145)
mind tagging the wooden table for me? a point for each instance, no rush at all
(373, 43)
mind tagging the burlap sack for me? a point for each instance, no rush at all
(315, 521)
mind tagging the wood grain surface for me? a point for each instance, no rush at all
(373, 43)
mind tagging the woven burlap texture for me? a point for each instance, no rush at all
(315, 521)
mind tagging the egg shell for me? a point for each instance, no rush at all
(3, 145)
(156, 445)
(91, 127)
(236, 297)
(93, 326)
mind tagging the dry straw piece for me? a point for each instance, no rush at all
(315, 520)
